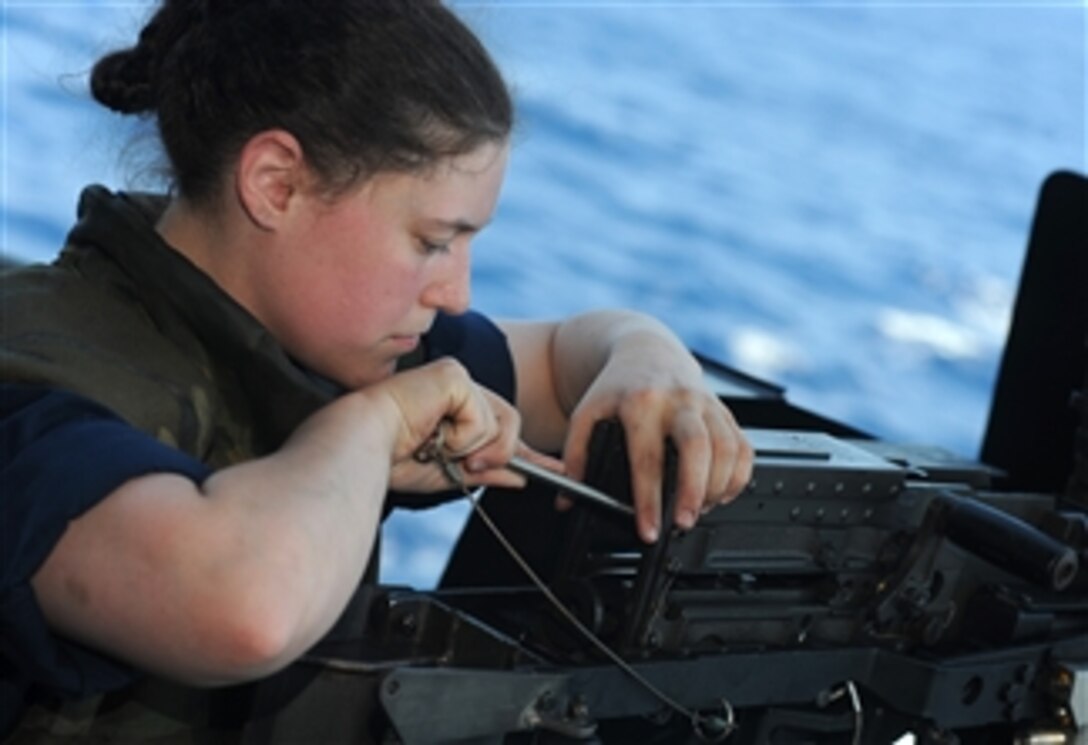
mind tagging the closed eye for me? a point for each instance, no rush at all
(434, 247)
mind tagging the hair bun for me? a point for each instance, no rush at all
(121, 81)
(128, 80)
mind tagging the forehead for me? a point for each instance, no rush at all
(458, 188)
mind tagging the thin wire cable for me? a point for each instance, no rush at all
(698, 721)
(707, 728)
(855, 703)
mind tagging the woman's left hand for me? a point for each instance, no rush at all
(618, 364)
(657, 391)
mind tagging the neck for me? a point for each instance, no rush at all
(211, 242)
(186, 231)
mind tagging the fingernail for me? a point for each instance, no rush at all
(686, 519)
(650, 534)
(475, 465)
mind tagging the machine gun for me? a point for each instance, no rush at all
(860, 590)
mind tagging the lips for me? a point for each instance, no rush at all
(405, 343)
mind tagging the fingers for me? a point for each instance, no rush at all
(694, 467)
(576, 447)
(732, 459)
(713, 458)
(714, 461)
(440, 392)
(646, 454)
(479, 429)
(493, 448)
(486, 463)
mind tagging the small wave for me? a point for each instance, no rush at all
(976, 329)
(763, 353)
(941, 336)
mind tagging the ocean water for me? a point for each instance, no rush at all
(834, 196)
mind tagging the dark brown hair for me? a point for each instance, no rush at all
(364, 85)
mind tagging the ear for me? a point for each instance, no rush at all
(270, 173)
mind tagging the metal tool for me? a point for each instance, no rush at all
(568, 485)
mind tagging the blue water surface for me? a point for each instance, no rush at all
(831, 195)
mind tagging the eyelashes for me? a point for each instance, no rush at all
(434, 247)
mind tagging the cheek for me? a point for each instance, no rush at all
(371, 303)
(361, 283)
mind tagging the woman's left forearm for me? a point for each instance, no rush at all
(556, 363)
(585, 343)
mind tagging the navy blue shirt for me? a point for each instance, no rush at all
(61, 454)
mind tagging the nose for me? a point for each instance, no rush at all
(451, 292)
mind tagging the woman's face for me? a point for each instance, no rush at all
(358, 279)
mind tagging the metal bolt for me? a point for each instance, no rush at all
(546, 701)
(579, 709)
(407, 624)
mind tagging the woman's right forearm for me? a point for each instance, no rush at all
(236, 578)
(307, 550)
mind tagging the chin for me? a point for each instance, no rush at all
(374, 374)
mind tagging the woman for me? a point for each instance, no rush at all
(209, 395)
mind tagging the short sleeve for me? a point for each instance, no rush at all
(478, 344)
(60, 454)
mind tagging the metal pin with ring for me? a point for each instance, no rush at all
(568, 485)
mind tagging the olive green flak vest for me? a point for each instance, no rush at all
(124, 320)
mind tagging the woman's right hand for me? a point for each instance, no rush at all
(480, 430)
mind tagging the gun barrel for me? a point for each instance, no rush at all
(1008, 542)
